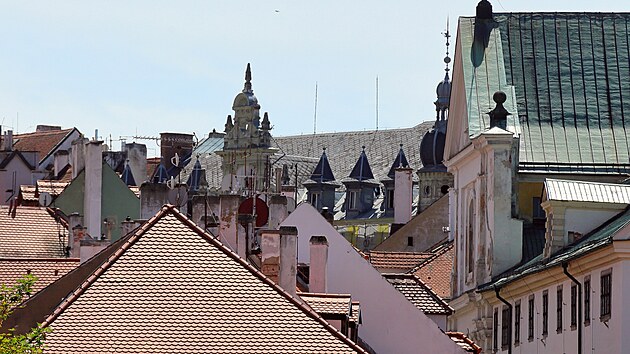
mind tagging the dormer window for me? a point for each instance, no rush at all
(352, 200)
(315, 196)
(390, 199)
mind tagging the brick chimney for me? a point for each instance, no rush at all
(93, 188)
(288, 258)
(7, 141)
(76, 232)
(403, 195)
(277, 210)
(228, 220)
(78, 156)
(270, 247)
(319, 264)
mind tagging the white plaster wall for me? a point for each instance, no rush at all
(23, 176)
(440, 320)
(598, 337)
(391, 324)
(584, 221)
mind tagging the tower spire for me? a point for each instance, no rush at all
(447, 58)
(248, 79)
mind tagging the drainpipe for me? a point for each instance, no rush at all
(565, 265)
(496, 291)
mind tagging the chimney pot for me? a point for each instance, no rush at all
(288, 258)
(318, 264)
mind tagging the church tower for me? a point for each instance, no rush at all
(434, 181)
(247, 145)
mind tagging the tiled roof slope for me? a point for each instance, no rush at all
(54, 188)
(46, 270)
(419, 294)
(332, 304)
(600, 237)
(33, 233)
(436, 271)
(585, 191)
(383, 260)
(571, 79)
(42, 142)
(172, 288)
(464, 342)
(342, 149)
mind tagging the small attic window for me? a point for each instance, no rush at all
(410, 241)
(537, 211)
(444, 189)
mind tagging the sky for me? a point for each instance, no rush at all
(138, 68)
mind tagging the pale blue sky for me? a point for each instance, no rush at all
(127, 67)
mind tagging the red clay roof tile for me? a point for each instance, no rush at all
(173, 288)
(42, 142)
(33, 233)
(47, 270)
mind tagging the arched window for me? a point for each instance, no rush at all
(470, 237)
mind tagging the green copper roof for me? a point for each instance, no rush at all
(570, 73)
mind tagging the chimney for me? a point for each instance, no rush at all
(270, 247)
(127, 226)
(76, 232)
(245, 234)
(288, 258)
(228, 220)
(137, 159)
(403, 195)
(7, 141)
(152, 197)
(318, 267)
(78, 156)
(277, 210)
(93, 188)
(62, 159)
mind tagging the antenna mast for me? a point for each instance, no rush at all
(315, 115)
(377, 102)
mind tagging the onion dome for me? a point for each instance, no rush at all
(432, 148)
(247, 98)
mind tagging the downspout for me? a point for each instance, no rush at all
(496, 291)
(565, 265)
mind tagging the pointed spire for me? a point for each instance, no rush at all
(160, 175)
(362, 170)
(443, 89)
(228, 124)
(323, 172)
(248, 79)
(197, 176)
(127, 176)
(266, 124)
(400, 161)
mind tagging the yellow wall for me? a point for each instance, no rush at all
(526, 192)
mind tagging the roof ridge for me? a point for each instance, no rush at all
(171, 209)
(355, 131)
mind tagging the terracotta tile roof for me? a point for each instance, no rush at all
(42, 142)
(464, 342)
(383, 260)
(331, 304)
(47, 270)
(419, 294)
(33, 233)
(436, 271)
(54, 188)
(173, 288)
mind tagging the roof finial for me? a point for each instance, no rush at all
(447, 58)
(248, 79)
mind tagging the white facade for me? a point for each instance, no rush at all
(391, 324)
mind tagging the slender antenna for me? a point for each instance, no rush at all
(377, 102)
(315, 115)
(17, 122)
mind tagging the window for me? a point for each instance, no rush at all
(470, 237)
(559, 310)
(390, 199)
(587, 301)
(427, 190)
(495, 330)
(352, 200)
(573, 306)
(537, 211)
(545, 306)
(606, 295)
(506, 321)
(517, 322)
(530, 318)
(444, 189)
(410, 241)
(315, 200)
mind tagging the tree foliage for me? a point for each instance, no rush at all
(10, 298)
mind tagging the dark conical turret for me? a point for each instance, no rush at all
(400, 161)
(323, 172)
(362, 170)
(127, 176)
